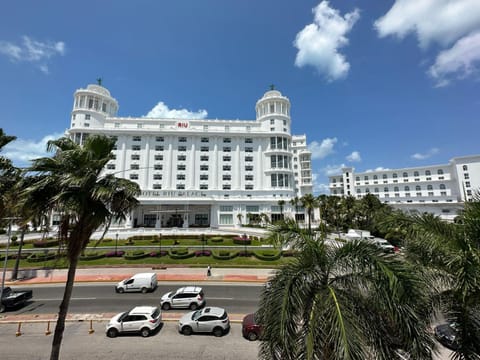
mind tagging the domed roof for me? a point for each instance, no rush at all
(98, 89)
(272, 93)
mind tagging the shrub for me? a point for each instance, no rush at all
(92, 255)
(39, 257)
(224, 254)
(216, 239)
(288, 253)
(115, 254)
(134, 255)
(245, 253)
(267, 255)
(203, 253)
(242, 240)
(180, 253)
(45, 243)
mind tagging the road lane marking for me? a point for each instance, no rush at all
(57, 299)
(219, 298)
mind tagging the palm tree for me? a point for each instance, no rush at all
(281, 203)
(309, 203)
(239, 217)
(71, 183)
(295, 202)
(348, 301)
(452, 250)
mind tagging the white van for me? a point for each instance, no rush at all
(139, 282)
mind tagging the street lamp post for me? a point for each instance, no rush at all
(159, 244)
(116, 243)
(10, 220)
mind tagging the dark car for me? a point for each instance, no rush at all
(446, 334)
(251, 329)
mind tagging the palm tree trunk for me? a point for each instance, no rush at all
(19, 253)
(62, 314)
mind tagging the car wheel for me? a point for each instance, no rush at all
(144, 290)
(112, 332)
(187, 330)
(218, 331)
(166, 306)
(145, 332)
(121, 290)
(193, 306)
(252, 336)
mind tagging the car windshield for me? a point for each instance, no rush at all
(156, 313)
(122, 316)
(170, 294)
(224, 316)
(196, 314)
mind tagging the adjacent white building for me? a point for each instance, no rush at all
(201, 172)
(439, 189)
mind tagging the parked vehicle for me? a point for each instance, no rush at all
(251, 329)
(446, 334)
(188, 297)
(143, 282)
(384, 245)
(208, 320)
(141, 319)
(13, 298)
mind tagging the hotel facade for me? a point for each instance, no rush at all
(199, 172)
(438, 189)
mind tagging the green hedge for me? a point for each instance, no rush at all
(267, 255)
(136, 254)
(216, 239)
(92, 255)
(242, 241)
(143, 237)
(45, 243)
(39, 257)
(180, 253)
(224, 254)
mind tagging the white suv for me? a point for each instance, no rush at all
(209, 320)
(142, 319)
(188, 297)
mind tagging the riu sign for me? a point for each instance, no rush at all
(182, 124)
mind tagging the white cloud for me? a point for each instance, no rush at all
(428, 154)
(331, 170)
(30, 50)
(460, 61)
(161, 110)
(323, 149)
(318, 43)
(354, 157)
(21, 151)
(440, 21)
(380, 168)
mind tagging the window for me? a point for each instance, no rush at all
(394, 175)
(157, 186)
(227, 140)
(226, 208)
(249, 177)
(157, 176)
(248, 158)
(385, 189)
(227, 158)
(415, 173)
(111, 166)
(203, 186)
(159, 148)
(407, 188)
(384, 176)
(203, 177)
(428, 173)
(158, 167)
(418, 188)
(227, 168)
(205, 127)
(137, 138)
(405, 174)
(180, 186)
(395, 189)
(465, 167)
(133, 176)
(365, 178)
(204, 140)
(375, 177)
(429, 187)
(139, 126)
(204, 167)
(467, 183)
(182, 139)
(272, 121)
(430, 193)
(226, 187)
(134, 167)
(466, 176)
(357, 178)
(227, 177)
(249, 149)
(204, 149)
(442, 187)
(204, 158)
(180, 176)
(135, 157)
(443, 193)
(440, 172)
(248, 168)
(182, 148)
(248, 187)
(227, 149)
(226, 219)
(159, 138)
(135, 147)
(181, 167)
(181, 157)
(158, 157)
(87, 116)
(375, 190)
(248, 140)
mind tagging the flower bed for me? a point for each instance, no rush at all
(119, 253)
(92, 255)
(180, 253)
(39, 257)
(240, 240)
(203, 253)
(134, 255)
(267, 255)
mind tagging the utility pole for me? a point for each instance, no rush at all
(10, 220)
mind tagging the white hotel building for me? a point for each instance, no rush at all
(201, 172)
(438, 189)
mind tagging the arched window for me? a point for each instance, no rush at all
(375, 177)
(395, 188)
(384, 176)
(418, 188)
(366, 177)
(442, 186)
(428, 173)
(357, 178)
(405, 174)
(375, 190)
(394, 175)
(415, 173)
(465, 167)
(385, 189)
(429, 187)
(407, 188)
(440, 172)
(367, 190)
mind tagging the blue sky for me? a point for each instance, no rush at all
(373, 84)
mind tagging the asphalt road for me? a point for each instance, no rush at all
(88, 298)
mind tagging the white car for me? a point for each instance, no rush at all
(141, 319)
(188, 297)
(208, 320)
